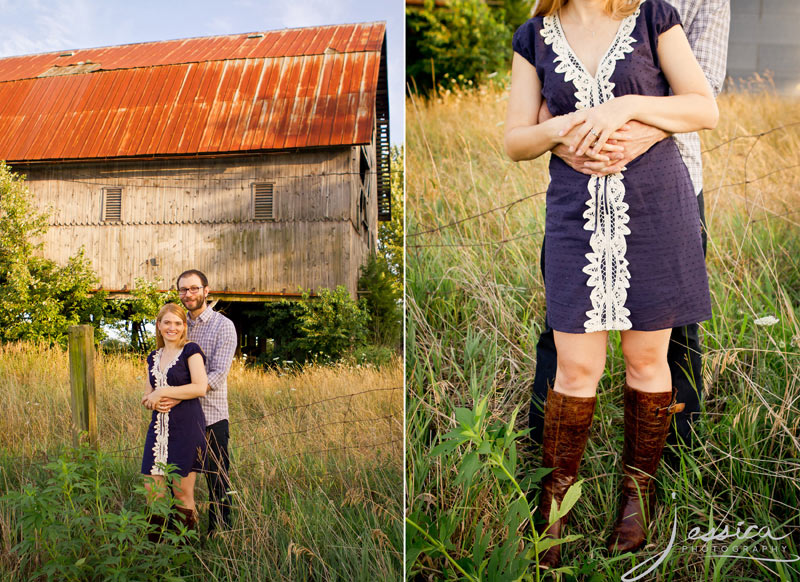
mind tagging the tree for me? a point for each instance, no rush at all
(382, 299)
(323, 328)
(390, 233)
(39, 299)
(462, 42)
(516, 12)
(132, 315)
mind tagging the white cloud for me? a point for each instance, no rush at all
(42, 26)
(314, 13)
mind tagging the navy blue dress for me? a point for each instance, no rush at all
(176, 437)
(621, 251)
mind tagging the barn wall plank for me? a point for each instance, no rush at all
(180, 214)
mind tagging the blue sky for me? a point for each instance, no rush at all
(36, 26)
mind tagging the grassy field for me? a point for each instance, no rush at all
(475, 302)
(316, 462)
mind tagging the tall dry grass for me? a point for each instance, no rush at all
(475, 302)
(316, 459)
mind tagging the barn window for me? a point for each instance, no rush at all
(263, 207)
(363, 166)
(112, 204)
(362, 211)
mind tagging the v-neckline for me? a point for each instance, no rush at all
(563, 34)
(171, 363)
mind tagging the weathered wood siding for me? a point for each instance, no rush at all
(179, 214)
(364, 215)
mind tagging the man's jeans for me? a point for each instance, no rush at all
(217, 465)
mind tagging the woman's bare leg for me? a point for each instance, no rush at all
(183, 489)
(581, 361)
(645, 354)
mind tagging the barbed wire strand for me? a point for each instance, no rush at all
(33, 460)
(483, 244)
(527, 196)
(474, 216)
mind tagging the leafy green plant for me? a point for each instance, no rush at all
(331, 324)
(39, 299)
(69, 527)
(391, 232)
(491, 448)
(460, 43)
(382, 301)
(323, 328)
(131, 316)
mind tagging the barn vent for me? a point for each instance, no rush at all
(383, 152)
(263, 208)
(112, 204)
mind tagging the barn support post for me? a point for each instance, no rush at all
(81, 379)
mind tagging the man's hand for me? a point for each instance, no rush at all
(150, 399)
(611, 153)
(635, 139)
(638, 138)
(153, 401)
(166, 403)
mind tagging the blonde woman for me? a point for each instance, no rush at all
(176, 436)
(622, 251)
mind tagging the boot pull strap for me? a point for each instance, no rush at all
(670, 410)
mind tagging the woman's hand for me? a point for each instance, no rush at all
(588, 130)
(151, 399)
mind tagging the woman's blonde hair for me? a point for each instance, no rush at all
(615, 8)
(175, 310)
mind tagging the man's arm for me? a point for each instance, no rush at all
(584, 163)
(708, 37)
(219, 362)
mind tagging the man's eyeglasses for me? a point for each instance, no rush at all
(193, 290)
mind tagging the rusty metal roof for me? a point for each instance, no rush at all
(293, 88)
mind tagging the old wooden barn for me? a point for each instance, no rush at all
(261, 159)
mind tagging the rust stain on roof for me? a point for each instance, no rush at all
(295, 88)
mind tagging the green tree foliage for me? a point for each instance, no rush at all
(462, 42)
(39, 299)
(515, 12)
(131, 316)
(322, 328)
(390, 233)
(331, 324)
(382, 299)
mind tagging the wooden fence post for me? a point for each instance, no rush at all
(81, 379)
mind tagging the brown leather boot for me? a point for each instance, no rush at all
(647, 417)
(566, 429)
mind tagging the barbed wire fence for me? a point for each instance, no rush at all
(393, 442)
(439, 229)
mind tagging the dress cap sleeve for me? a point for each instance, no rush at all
(191, 349)
(524, 40)
(664, 16)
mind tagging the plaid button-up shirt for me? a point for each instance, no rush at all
(706, 23)
(216, 335)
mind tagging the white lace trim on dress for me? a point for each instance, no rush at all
(606, 213)
(161, 446)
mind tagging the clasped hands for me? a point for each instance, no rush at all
(155, 401)
(602, 140)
